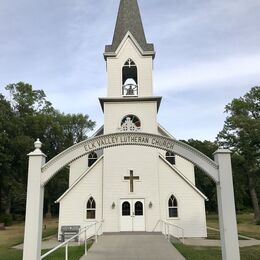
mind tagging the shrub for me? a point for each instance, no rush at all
(7, 219)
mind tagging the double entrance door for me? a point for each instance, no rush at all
(132, 215)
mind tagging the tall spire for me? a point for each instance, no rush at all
(129, 20)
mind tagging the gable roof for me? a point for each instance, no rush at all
(183, 177)
(99, 132)
(79, 179)
(164, 132)
(129, 20)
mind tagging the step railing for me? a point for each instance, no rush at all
(87, 235)
(167, 229)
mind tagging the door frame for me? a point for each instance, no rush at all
(121, 200)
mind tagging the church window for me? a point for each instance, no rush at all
(126, 209)
(170, 157)
(139, 208)
(129, 78)
(92, 159)
(130, 123)
(91, 208)
(173, 207)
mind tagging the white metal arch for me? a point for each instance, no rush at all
(118, 139)
(39, 173)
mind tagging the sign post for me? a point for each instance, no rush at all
(34, 205)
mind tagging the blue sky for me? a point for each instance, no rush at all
(208, 52)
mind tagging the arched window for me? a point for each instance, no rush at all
(91, 209)
(130, 123)
(173, 207)
(92, 157)
(170, 157)
(138, 208)
(129, 78)
(126, 209)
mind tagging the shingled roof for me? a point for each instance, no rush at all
(129, 20)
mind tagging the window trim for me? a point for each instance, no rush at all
(177, 207)
(170, 156)
(93, 209)
(93, 158)
(137, 78)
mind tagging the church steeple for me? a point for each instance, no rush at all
(129, 20)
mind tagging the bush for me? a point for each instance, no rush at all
(17, 217)
(7, 219)
(258, 222)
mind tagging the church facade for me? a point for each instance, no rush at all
(131, 188)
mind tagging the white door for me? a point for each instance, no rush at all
(138, 215)
(126, 215)
(132, 215)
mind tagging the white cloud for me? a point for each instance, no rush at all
(202, 46)
(76, 101)
(207, 74)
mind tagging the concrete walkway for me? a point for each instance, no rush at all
(212, 242)
(132, 246)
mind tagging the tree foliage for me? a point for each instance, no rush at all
(207, 185)
(28, 115)
(241, 133)
(204, 182)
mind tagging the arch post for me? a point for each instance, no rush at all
(34, 205)
(226, 206)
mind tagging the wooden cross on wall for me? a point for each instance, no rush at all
(131, 178)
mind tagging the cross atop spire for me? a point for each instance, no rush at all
(129, 20)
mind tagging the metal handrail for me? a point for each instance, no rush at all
(66, 243)
(167, 229)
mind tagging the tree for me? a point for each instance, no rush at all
(28, 116)
(207, 185)
(241, 133)
(6, 157)
(203, 182)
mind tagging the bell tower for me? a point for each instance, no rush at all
(129, 61)
(130, 106)
(129, 58)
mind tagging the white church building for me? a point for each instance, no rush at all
(131, 188)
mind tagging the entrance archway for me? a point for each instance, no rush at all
(219, 170)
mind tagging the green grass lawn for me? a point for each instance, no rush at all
(245, 224)
(74, 253)
(14, 235)
(215, 235)
(246, 227)
(214, 253)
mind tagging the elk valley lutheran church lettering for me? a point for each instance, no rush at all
(103, 142)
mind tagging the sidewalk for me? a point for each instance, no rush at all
(132, 247)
